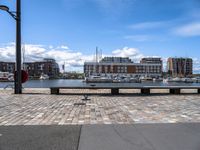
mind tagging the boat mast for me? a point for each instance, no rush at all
(23, 56)
(96, 54)
(96, 60)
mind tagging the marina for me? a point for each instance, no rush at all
(65, 82)
(141, 79)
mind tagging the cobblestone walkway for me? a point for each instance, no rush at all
(38, 107)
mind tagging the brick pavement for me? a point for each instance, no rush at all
(38, 107)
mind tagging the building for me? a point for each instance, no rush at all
(111, 66)
(7, 67)
(180, 67)
(116, 60)
(47, 66)
(151, 60)
(34, 69)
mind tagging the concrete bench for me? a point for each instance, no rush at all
(115, 89)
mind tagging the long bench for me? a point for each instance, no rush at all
(115, 89)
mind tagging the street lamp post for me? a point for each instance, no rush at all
(17, 16)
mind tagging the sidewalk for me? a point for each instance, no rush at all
(102, 137)
(37, 120)
(40, 108)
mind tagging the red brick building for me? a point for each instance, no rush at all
(34, 69)
(180, 67)
(47, 66)
(125, 67)
(7, 67)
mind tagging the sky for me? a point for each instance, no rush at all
(70, 30)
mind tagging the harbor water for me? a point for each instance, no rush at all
(65, 82)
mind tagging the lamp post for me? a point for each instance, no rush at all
(17, 16)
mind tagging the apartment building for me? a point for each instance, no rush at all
(180, 67)
(47, 66)
(35, 69)
(122, 66)
(7, 67)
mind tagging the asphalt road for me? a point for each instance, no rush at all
(183, 136)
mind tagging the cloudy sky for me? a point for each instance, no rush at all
(69, 30)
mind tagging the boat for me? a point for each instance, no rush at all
(6, 77)
(187, 80)
(44, 77)
(177, 79)
(134, 80)
(145, 78)
(157, 79)
(116, 80)
(124, 79)
(98, 79)
(196, 80)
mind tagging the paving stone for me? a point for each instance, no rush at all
(38, 107)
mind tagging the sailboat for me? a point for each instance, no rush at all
(44, 77)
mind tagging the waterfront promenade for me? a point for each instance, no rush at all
(38, 120)
(38, 107)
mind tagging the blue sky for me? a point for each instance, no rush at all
(134, 28)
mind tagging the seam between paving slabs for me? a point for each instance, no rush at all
(79, 137)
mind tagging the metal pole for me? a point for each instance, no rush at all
(18, 82)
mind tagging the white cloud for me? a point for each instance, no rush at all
(34, 49)
(7, 52)
(189, 30)
(133, 53)
(50, 47)
(196, 65)
(37, 52)
(63, 47)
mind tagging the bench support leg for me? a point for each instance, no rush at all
(114, 91)
(145, 91)
(54, 91)
(198, 91)
(175, 91)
